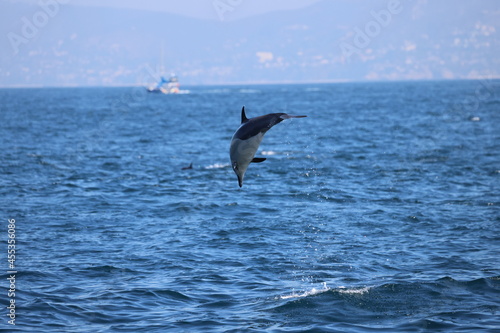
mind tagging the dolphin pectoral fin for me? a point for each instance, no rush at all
(258, 159)
(289, 116)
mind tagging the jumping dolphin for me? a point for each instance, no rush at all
(247, 138)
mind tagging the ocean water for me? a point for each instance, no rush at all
(379, 212)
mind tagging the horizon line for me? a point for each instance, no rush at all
(250, 83)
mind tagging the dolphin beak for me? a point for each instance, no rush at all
(290, 116)
(240, 181)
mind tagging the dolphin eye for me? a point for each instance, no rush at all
(235, 166)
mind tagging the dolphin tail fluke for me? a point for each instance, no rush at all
(289, 116)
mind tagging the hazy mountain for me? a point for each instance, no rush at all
(332, 40)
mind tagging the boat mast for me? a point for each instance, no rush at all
(162, 60)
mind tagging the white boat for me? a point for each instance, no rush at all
(164, 86)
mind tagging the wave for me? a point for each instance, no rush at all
(313, 89)
(397, 306)
(311, 292)
(249, 91)
(215, 91)
(325, 288)
(444, 303)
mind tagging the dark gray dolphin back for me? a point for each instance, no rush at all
(253, 126)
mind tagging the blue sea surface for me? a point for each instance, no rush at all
(379, 212)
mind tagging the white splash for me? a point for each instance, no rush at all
(217, 166)
(341, 290)
(361, 291)
(268, 152)
(311, 292)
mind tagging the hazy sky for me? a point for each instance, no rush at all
(207, 9)
(49, 43)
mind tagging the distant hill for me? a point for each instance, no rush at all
(333, 40)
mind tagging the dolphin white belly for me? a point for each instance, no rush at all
(243, 151)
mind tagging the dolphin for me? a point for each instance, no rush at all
(247, 138)
(188, 167)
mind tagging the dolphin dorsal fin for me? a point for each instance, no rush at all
(244, 118)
